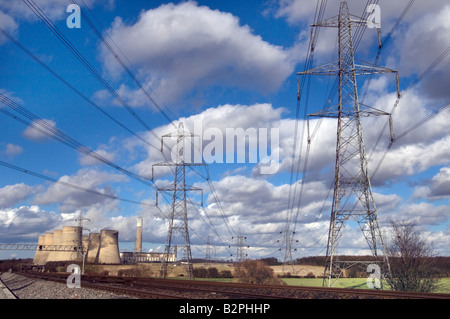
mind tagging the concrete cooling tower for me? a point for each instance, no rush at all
(48, 240)
(100, 247)
(85, 243)
(109, 247)
(40, 257)
(71, 238)
(57, 240)
(93, 247)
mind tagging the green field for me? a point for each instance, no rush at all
(357, 283)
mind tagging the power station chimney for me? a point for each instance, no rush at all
(139, 235)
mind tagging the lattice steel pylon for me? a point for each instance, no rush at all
(178, 218)
(353, 195)
(240, 247)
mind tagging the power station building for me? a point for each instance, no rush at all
(68, 244)
(137, 256)
(142, 257)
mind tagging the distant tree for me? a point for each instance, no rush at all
(411, 259)
(226, 274)
(213, 272)
(255, 272)
(200, 272)
(271, 261)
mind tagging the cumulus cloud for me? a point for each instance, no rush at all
(26, 223)
(424, 213)
(54, 9)
(8, 24)
(437, 188)
(13, 150)
(87, 160)
(179, 48)
(428, 37)
(260, 208)
(13, 194)
(40, 130)
(210, 125)
(71, 199)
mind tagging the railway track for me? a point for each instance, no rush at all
(154, 288)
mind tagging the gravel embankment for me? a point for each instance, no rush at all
(28, 288)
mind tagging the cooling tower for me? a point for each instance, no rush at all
(40, 256)
(139, 235)
(71, 236)
(109, 247)
(48, 241)
(85, 243)
(93, 248)
(57, 240)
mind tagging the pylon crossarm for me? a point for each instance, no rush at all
(364, 68)
(360, 68)
(331, 69)
(333, 22)
(333, 112)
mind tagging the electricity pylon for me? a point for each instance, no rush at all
(353, 195)
(240, 247)
(178, 219)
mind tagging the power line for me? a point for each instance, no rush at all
(60, 78)
(77, 187)
(51, 131)
(287, 240)
(41, 15)
(122, 63)
(422, 76)
(216, 199)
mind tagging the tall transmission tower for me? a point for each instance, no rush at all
(352, 195)
(240, 247)
(208, 250)
(178, 218)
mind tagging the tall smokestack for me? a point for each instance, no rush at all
(139, 235)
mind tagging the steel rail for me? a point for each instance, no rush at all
(234, 290)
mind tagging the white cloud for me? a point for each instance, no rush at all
(26, 223)
(437, 188)
(213, 119)
(418, 40)
(13, 194)
(40, 130)
(424, 213)
(8, 24)
(71, 199)
(180, 48)
(411, 159)
(427, 38)
(13, 150)
(87, 160)
(53, 9)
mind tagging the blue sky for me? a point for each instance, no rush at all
(224, 64)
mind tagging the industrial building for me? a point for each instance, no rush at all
(138, 256)
(142, 257)
(68, 244)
